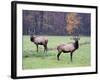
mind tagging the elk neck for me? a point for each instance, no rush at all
(32, 38)
(76, 44)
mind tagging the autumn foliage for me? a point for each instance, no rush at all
(73, 22)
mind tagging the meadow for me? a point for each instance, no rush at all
(41, 60)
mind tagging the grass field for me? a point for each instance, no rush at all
(40, 60)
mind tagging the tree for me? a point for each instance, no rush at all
(73, 22)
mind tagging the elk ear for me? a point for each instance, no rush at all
(76, 38)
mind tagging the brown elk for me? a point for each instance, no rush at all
(40, 40)
(68, 48)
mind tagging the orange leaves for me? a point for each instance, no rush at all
(73, 21)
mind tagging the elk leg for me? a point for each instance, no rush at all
(59, 53)
(46, 45)
(37, 47)
(71, 55)
(45, 48)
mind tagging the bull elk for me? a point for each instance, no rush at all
(39, 40)
(68, 48)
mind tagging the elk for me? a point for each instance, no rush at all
(68, 48)
(39, 40)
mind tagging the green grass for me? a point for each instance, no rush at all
(34, 60)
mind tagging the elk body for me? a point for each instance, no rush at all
(40, 40)
(68, 48)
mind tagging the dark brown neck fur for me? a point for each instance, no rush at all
(76, 44)
(32, 38)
